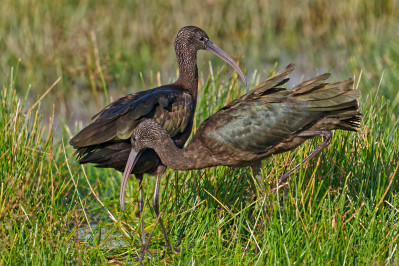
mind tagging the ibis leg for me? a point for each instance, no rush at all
(141, 207)
(155, 204)
(327, 139)
(256, 171)
(143, 249)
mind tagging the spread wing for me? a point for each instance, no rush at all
(268, 114)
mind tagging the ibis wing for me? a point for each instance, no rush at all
(268, 114)
(267, 87)
(119, 106)
(170, 107)
(258, 126)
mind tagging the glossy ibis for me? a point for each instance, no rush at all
(106, 141)
(268, 120)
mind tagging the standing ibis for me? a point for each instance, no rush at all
(268, 120)
(106, 141)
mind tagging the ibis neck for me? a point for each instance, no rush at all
(179, 159)
(188, 71)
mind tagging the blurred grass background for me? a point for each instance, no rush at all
(130, 41)
(341, 208)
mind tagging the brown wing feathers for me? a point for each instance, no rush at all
(337, 101)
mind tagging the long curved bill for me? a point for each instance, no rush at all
(216, 50)
(133, 157)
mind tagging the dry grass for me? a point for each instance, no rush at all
(75, 39)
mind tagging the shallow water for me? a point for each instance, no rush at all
(90, 234)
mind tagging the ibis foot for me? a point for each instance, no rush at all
(142, 253)
(176, 246)
(144, 247)
(179, 242)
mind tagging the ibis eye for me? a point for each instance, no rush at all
(202, 38)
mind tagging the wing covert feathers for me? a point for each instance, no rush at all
(270, 113)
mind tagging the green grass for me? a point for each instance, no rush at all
(341, 208)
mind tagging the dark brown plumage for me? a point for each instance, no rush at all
(268, 120)
(106, 141)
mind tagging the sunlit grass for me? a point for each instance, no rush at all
(340, 208)
(35, 222)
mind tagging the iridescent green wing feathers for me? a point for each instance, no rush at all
(257, 126)
(268, 114)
